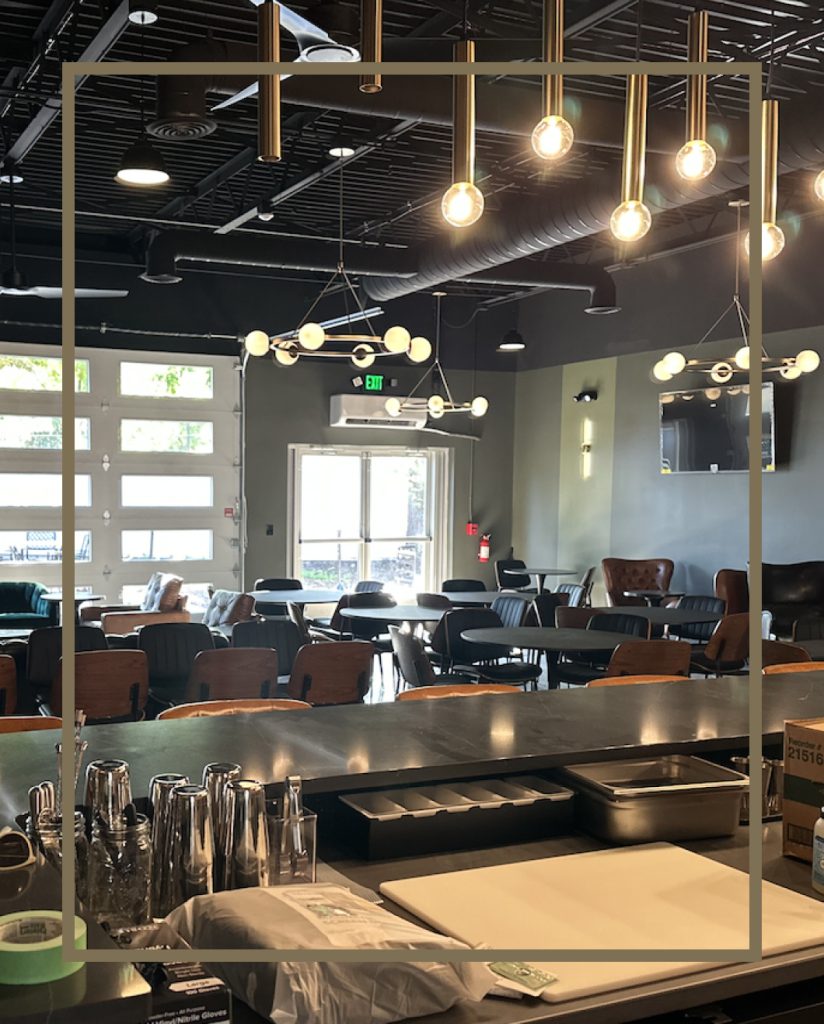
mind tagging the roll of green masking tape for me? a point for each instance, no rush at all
(31, 947)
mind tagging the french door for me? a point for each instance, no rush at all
(370, 513)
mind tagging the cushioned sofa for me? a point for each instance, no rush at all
(791, 591)
(22, 606)
(225, 608)
(162, 602)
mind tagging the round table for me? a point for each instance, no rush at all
(540, 574)
(297, 596)
(551, 641)
(411, 613)
(661, 616)
(652, 597)
(56, 597)
(480, 597)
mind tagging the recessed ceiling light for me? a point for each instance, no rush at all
(11, 179)
(512, 342)
(142, 12)
(341, 149)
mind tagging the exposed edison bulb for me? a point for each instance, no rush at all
(742, 358)
(397, 339)
(419, 350)
(818, 186)
(808, 360)
(286, 353)
(479, 406)
(257, 343)
(435, 405)
(552, 137)
(660, 372)
(393, 406)
(772, 241)
(462, 204)
(363, 356)
(674, 362)
(721, 373)
(695, 160)
(790, 372)
(630, 221)
(311, 336)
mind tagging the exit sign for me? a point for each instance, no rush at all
(373, 382)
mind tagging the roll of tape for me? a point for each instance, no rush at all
(31, 947)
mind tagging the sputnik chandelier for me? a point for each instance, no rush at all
(313, 339)
(437, 404)
(721, 371)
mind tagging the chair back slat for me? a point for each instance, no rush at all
(333, 673)
(234, 673)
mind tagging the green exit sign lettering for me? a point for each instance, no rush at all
(373, 382)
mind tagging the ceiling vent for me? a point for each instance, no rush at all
(370, 411)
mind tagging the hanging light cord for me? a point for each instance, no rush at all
(639, 27)
(772, 55)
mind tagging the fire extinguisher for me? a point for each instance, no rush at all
(483, 548)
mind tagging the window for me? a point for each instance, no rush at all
(192, 437)
(166, 545)
(21, 547)
(42, 432)
(166, 491)
(40, 373)
(41, 490)
(165, 380)
(368, 514)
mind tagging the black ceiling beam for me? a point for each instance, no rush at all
(104, 39)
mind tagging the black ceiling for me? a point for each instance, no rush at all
(391, 195)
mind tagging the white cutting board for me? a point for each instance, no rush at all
(644, 897)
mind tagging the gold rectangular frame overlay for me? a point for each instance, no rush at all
(752, 71)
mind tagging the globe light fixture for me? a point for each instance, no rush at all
(397, 339)
(420, 349)
(660, 371)
(552, 136)
(790, 372)
(462, 204)
(742, 358)
(286, 353)
(463, 201)
(696, 158)
(818, 186)
(772, 237)
(807, 360)
(393, 406)
(311, 336)
(674, 362)
(479, 406)
(631, 219)
(436, 406)
(257, 343)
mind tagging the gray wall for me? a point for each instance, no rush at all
(291, 406)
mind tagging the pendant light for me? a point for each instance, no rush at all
(142, 165)
(696, 158)
(631, 219)
(772, 237)
(269, 149)
(818, 186)
(552, 136)
(463, 201)
(371, 15)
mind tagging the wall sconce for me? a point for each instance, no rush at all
(587, 434)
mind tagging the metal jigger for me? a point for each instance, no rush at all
(108, 790)
(160, 790)
(246, 850)
(192, 845)
(216, 777)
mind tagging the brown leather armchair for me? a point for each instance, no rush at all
(792, 591)
(622, 574)
(162, 602)
(226, 608)
(732, 587)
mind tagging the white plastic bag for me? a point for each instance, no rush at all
(326, 917)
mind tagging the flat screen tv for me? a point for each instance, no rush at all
(706, 431)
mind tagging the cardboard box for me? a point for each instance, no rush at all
(185, 993)
(803, 784)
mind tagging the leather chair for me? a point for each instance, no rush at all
(110, 686)
(29, 723)
(463, 586)
(368, 587)
(414, 665)
(511, 610)
(8, 685)
(580, 667)
(808, 627)
(624, 680)
(234, 673)
(727, 649)
(775, 652)
(621, 574)
(224, 610)
(275, 583)
(162, 602)
(646, 657)
(577, 596)
(792, 591)
(456, 690)
(211, 708)
(22, 606)
(699, 632)
(544, 608)
(281, 635)
(732, 587)
(506, 580)
(337, 673)
(45, 648)
(483, 662)
(171, 648)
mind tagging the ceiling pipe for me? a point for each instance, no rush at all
(599, 284)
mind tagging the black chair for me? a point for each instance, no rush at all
(414, 666)
(697, 632)
(281, 634)
(808, 627)
(171, 649)
(464, 586)
(511, 581)
(368, 587)
(45, 648)
(543, 608)
(584, 666)
(275, 583)
(576, 594)
(375, 632)
(511, 610)
(480, 661)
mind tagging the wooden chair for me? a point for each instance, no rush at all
(456, 690)
(794, 667)
(212, 708)
(624, 680)
(334, 673)
(29, 723)
(776, 652)
(8, 684)
(108, 686)
(727, 649)
(567, 617)
(233, 673)
(649, 657)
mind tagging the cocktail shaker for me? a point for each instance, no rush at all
(108, 790)
(246, 848)
(192, 846)
(216, 777)
(160, 791)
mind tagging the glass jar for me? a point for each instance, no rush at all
(120, 873)
(49, 829)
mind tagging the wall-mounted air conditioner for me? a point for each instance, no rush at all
(370, 411)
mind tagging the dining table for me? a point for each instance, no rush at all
(552, 642)
(653, 597)
(469, 598)
(300, 596)
(56, 597)
(540, 574)
(660, 615)
(399, 613)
